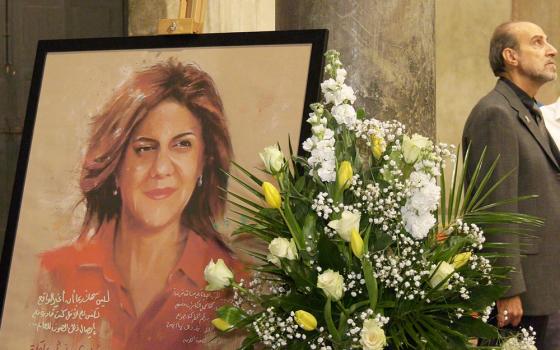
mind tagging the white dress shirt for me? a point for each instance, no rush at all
(551, 117)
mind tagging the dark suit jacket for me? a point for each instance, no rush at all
(503, 124)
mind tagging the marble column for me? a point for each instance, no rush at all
(388, 49)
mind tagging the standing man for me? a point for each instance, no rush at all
(508, 123)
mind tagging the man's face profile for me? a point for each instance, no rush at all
(534, 54)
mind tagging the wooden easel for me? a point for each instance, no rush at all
(191, 18)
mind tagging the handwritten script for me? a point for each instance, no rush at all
(193, 312)
(69, 312)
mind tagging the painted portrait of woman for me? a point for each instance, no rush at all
(151, 181)
(120, 203)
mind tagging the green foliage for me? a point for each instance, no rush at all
(406, 280)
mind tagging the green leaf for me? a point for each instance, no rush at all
(302, 276)
(249, 341)
(309, 233)
(382, 240)
(231, 314)
(371, 283)
(297, 301)
(442, 202)
(329, 320)
(454, 188)
(475, 327)
(360, 113)
(300, 184)
(483, 296)
(256, 180)
(291, 222)
(329, 256)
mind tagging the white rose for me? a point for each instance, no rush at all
(344, 114)
(443, 271)
(218, 275)
(413, 146)
(282, 248)
(332, 284)
(273, 259)
(272, 158)
(344, 226)
(372, 336)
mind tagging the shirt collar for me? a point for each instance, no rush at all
(527, 100)
(97, 251)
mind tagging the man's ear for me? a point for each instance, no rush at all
(510, 56)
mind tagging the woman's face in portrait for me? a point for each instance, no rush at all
(161, 166)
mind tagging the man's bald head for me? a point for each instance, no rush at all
(504, 37)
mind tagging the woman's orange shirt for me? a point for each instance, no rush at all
(83, 298)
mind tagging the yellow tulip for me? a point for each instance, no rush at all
(271, 195)
(460, 259)
(221, 324)
(344, 176)
(377, 148)
(306, 320)
(357, 243)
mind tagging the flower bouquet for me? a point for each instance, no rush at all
(365, 248)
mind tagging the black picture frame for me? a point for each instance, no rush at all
(316, 40)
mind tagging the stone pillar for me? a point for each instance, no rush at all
(387, 47)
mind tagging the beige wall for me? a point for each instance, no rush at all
(463, 75)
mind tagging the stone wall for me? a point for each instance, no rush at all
(388, 49)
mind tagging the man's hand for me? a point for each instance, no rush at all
(509, 311)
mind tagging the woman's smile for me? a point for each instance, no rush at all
(162, 165)
(160, 193)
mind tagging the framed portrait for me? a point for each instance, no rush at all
(118, 203)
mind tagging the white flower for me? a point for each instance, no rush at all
(515, 344)
(218, 275)
(328, 86)
(336, 93)
(318, 130)
(322, 159)
(272, 158)
(417, 225)
(413, 146)
(442, 272)
(427, 196)
(511, 344)
(326, 172)
(273, 259)
(331, 283)
(372, 336)
(308, 145)
(423, 199)
(282, 248)
(340, 75)
(313, 118)
(349, 221)
(347, 93)
(344, 114)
